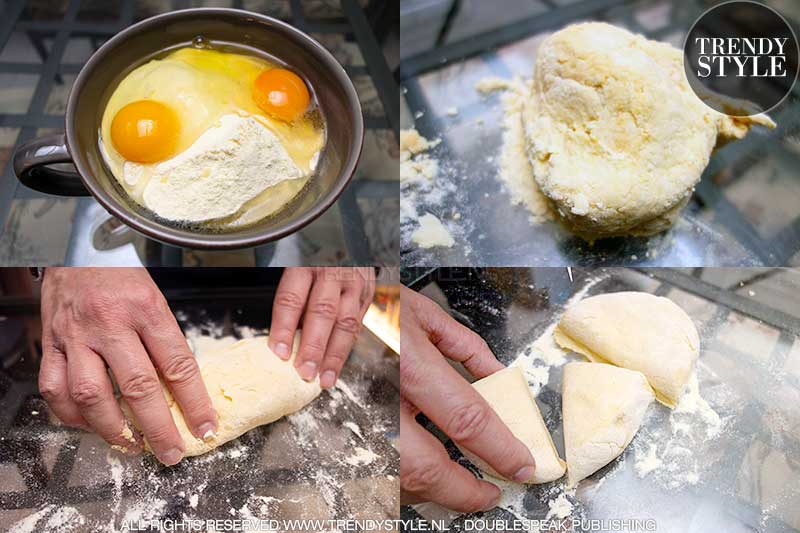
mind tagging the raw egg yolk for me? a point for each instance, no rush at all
(145, 131)
(281, 93)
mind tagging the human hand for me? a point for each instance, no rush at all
(331, 303)
(94, 318)
(428, 384)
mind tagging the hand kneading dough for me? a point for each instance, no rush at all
(508, 394)
(603, 407)
(616, 137)
(249, 386)
(635, 330)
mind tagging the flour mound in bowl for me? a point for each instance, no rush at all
(228, 165)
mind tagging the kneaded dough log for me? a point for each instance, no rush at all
(635, 330)
(603, 407)
(508, 394)
(249, 386)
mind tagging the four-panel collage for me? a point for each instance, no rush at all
(399, 265)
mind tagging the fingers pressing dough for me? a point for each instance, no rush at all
(603, 407)
(249, 386)
(508, 394)
(638, 331)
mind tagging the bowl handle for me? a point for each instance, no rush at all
(31, 158)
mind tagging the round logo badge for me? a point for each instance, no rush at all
(741, 58)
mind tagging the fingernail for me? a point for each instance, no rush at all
(171, 457)
(524, 474)
(308, 370)
(327, 379)
(206, 431)
(282, 350)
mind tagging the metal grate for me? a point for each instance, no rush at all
(722, 199)
(51, 31)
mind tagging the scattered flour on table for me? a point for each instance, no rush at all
(345, 388)
(425, 184)
(560, 507)
(50, 519)
(145, 510)
(648, 461)
(672, 452)
(305, 426)
(692, 403)
(327, 486)
(352, 426)
(118, 474)
(362, 456)
(258, 507)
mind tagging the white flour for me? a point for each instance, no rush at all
(672, 453)
(362, 456)
(426, 184)
(648, 462)
(145, 510)
(345, 388)
(228, 165)
(560, 507)
(28, 524)
(352, 426)
(60, 519)
(305, 425)
(258, 507)
(327, 486)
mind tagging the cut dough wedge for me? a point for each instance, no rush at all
(638, 331)
(603, 407)
(508, 394)
(249, 386)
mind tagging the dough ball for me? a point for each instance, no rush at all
(616, 137)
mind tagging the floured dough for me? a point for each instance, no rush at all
(616, 137)
(634, 330)
(603, 407)
(508, 394)
(249, 386)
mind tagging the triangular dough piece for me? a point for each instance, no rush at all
(507, 392)
(603, 407)
(635, 330)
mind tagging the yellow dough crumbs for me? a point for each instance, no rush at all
(414, 164)
(432, 232)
